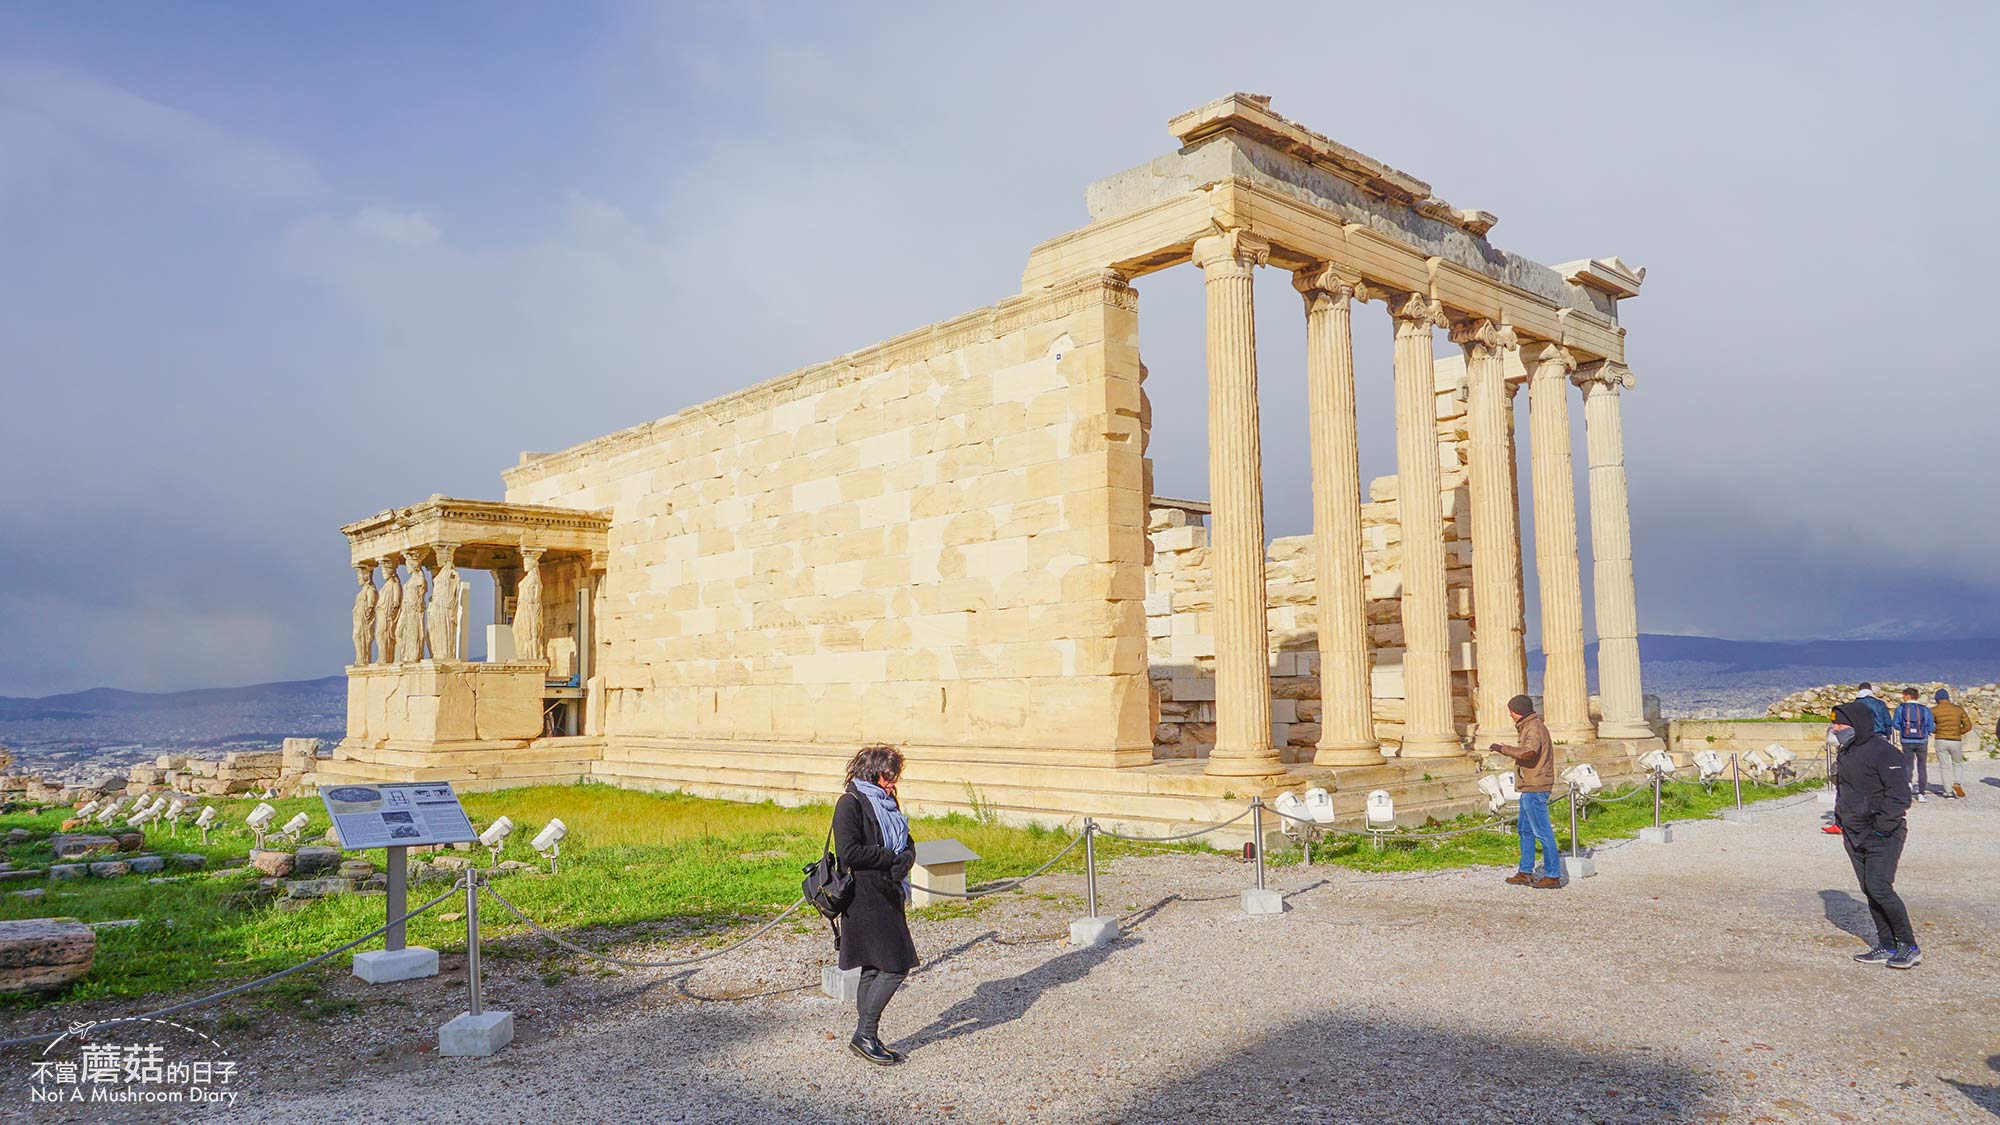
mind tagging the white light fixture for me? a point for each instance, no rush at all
(89, 807)
(204, 820)
(110, 812)
(549, 841)
(1781, 762)
(294, 826)
(1583, 778)
(176, 808)
(159, 805)
(259, 820)
(142, 818)
(1657, 761)
(1381, 815)
(1499, 789)
(1319, 805)
(495, 836)
(1711, 765)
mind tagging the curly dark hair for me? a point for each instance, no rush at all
(873, 763)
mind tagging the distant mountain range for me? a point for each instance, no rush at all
(1887, 657)
(117, 701)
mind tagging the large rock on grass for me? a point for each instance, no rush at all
(42, 954)
(313, 858)
(273, 863)
(68, 845)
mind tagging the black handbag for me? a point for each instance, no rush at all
(828, 885)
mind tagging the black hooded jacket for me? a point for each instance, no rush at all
(1872, 792)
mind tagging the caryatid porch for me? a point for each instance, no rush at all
(413, 689)
(1349, 228)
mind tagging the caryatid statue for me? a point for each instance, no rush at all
(364, 611)
(388, 608)
(528, 607)
(410, 622)
(444, 606)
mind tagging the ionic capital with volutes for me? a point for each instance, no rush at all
(1480, 336)
(1324, 283)
(1230, 253)
(1609, 374)
(1537, 354)
(1415, 313)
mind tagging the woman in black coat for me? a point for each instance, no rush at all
(871, 838)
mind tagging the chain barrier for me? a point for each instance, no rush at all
(634, 964)
(1497, 824)
(1175, 839)
(241, 988)
(1004, 884)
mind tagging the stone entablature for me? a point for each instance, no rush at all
(487, 534)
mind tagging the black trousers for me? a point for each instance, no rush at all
(871, 997)
(1875, 858)
(1919, 764)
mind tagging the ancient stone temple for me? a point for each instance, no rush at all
(949, 540)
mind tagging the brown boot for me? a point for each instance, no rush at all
(1520, 878)
(1547, 883)
(1958, 791)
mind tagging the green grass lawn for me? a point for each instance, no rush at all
(635, 864)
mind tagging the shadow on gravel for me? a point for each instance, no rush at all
(1381, 1068)
(1848, 913)
(1985, 1097)
(997, 1002)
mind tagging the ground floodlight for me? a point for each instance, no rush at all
(143, 817)
(261, 816)
(1583, 778)
(549, 841)
(1657, 761)
(177, 806)
(89, 807)
(1711, 764)
(1781, 762)
(1499, 789)
(110, 812)
(1319, 805)
(294, 827)
(204, 820)
(1381, 807)
(159, 805)
(495, 836)
(1291, 807)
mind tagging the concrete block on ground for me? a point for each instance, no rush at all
(470, 1036)
(381, 966)
(843, 985)
(1579, 867)
(1736, 816)
(1100, 930)
(1664, 834)
(1262, 901)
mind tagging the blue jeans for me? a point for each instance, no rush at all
(1535, 825)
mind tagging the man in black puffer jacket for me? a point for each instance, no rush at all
(1871, 801)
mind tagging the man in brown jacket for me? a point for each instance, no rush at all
(1952, 725)
(1534, 776)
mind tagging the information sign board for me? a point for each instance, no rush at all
(397, 815)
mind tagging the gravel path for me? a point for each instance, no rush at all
(1704, 980)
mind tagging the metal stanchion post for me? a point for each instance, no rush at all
(1580, 867)
(1658, 833)
(1735, 815)
(1260, 899)
(476, 1031)
(1093, 928)
(472, 940)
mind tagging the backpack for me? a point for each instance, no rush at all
(1912, 721)
(828, 886)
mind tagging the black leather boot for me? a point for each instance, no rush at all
(871, 1048)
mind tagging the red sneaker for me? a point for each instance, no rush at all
(1830, 829)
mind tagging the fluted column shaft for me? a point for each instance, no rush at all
(1236, 495)
(1622, 699)
(1565, 691)
(1496, 530)
(1347, 719)
(1427, 721)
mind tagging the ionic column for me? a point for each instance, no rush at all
(1347, 719)
(1236, 493)
(1427, 727)
(1502, 655)
(1565, 691)
(1623, 703)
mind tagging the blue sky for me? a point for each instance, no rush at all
(268, 269)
